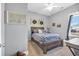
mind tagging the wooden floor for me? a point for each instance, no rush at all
(34, 50)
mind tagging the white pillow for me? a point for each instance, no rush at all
(40, 31)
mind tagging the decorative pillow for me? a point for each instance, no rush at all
(40, 31)
(35, 31)
(46, 30)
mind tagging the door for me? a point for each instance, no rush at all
(2, 30)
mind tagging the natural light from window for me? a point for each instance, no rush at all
(74, 25)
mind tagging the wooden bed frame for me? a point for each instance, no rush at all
(48, 46)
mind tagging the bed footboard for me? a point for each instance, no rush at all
(48, 46)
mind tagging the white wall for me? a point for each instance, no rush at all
(16, 36)
(62, 18)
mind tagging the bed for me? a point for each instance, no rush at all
(46, 41)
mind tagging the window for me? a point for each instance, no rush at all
(74, 25)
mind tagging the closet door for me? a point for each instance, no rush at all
(2, 42)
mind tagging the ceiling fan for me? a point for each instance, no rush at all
(50, 6)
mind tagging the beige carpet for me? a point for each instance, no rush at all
(34, 50)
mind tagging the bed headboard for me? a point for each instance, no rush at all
(36, 28)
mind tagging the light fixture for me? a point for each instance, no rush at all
(50, 6)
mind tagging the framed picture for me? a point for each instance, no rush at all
(53, 24)
(41, 22)
(34, 21)
(59, 25)
(15, 18)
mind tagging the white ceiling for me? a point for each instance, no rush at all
(40, 8)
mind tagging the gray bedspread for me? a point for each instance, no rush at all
(45, 37)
